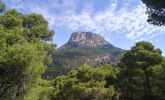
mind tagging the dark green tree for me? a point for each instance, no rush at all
(2, 7)
(135, 65)
(155, 11)
(158, 81)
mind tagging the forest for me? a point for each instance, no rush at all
(25, 53)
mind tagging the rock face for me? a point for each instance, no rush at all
(87, 39)
(86, 48)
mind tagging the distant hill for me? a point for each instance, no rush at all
(83, 48)
(86, 48)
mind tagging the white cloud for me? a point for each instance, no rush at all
(112, 22)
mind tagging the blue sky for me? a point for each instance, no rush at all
(121, 22)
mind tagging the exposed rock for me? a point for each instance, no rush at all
(87, 39)
(83, 48)
(86, 48)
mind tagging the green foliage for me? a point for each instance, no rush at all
(36, 27)
(74, 57)
(43, 91)
(2, 7)
(155, 11)
(23, 52)
(9, 21)
(135, 70)
(53, 72)
(84, 83)
(158, 81)
(40, 93)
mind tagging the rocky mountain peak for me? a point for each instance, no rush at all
(87, 39)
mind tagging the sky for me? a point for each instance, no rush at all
(121, 22)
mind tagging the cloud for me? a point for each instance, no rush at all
(113, 22)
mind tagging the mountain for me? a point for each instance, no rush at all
(86, 40)
(86, 48)
(82, 48)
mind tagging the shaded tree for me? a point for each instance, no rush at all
(158, 75)
(155, 11)
(2, 7)
(136, 62)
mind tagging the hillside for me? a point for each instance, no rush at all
(83, 48)
(86, 48)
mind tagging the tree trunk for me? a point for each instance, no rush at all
(147, 87)
(131, 94)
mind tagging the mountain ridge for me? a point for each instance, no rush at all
(86, 48)
(86, 40)
(83, 48)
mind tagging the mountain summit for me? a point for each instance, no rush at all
(86, 40)
(86, 48)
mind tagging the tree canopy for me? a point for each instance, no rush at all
(155, 11)
(2, 7)
(85, 83)
(136, 75)
(23, 52)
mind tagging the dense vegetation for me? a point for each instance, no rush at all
(25, 53)
(85, 83)
(138, 67)
(155, 11)
(77, 56)
(64, 60)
